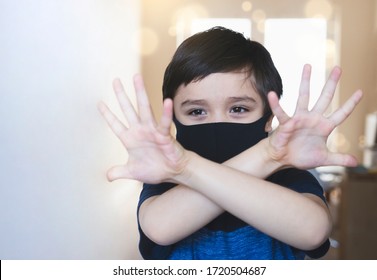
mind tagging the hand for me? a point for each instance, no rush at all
(300, 140)
(154, 155)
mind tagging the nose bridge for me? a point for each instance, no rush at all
(218, 107)
(219, 115)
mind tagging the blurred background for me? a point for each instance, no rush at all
(58, 59)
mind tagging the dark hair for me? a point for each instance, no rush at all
(221, 50)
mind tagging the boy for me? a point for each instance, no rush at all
(224, 188)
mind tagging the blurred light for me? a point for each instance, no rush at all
(258, 15)
(182, 19)
(293, 43)
(189, 13)
(330, 52)
(330, 48)
(318, 8)
(247, 6)
(304, 45)
(150, 41)
(260, 26)
(362, 141)
(342, 143)
(242, 25)
(172, 31)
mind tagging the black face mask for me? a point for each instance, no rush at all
(220, 141)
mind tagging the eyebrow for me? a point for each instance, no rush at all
(242, 99)
(189, 102)
(202, 102)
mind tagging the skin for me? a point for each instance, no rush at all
(220, 97)
(203, 191)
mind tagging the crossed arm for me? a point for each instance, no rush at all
(204, 191)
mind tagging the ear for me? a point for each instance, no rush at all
(268, 127)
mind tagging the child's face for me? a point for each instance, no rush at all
(219, 97)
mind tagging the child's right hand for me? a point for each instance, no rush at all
(154, 156)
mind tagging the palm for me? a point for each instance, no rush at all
(153, 154)
(146, 148)
(301, 140)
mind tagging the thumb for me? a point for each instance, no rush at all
(118, 172)
(341, 160)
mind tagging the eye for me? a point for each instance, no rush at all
(197, 112)
(239, 110)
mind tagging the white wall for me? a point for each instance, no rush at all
(57, 60)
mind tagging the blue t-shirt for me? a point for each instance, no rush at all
(228, 237)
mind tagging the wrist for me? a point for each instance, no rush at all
(256, 161)
(267, 157)
(185, 172)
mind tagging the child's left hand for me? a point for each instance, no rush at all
(300, 140)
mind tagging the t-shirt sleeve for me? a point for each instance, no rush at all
(150, 190)
(148, 249)
(302, 181)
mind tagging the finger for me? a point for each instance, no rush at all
(114, 123)
(304, 90)
(124, 102)
(118, 172)
(167, 117)
(338, 159)
(344, 111)
(277, 110)
(144, 108)
(328, 91)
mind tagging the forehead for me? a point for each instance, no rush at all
(219, 86)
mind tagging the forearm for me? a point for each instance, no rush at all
(279, 212)
(176, 214)
(255, 161)
(192, 209)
